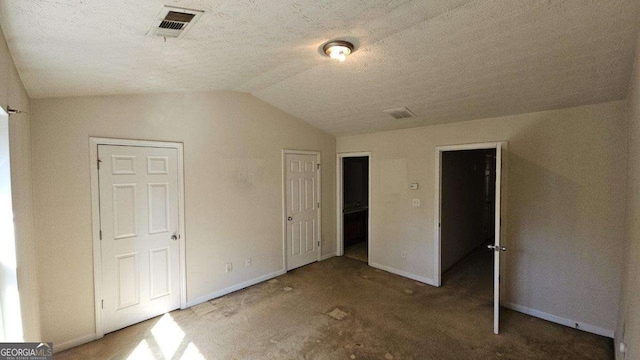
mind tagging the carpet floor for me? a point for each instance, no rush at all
(343, 309)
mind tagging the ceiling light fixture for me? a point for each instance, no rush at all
(338, 49)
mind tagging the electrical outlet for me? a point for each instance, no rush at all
(228, 267)
(248, 262)
(403, 254)
(415, 202)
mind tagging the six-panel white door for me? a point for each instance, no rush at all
(139, 229)
(302, 209)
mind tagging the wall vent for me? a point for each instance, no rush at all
(173, 22)
(400, 113)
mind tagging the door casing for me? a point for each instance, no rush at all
(500, 207)
(95, 214)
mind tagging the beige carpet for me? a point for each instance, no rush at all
(343, 309)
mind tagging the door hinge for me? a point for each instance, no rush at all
(318, 242)
(100, 234)
(318, 204)
(318, 165)
(102, 304)
(99, 161)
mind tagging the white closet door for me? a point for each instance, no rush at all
(139, 233)
(302, 210)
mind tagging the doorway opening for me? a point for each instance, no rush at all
(468, 221)
(354, 206)
(467, 216)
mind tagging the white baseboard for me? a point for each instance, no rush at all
(403, 273)
(73, 343)
(559, 320)
(327, 256)
(234, 288)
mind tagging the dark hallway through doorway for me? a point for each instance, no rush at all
(355, 207)
(468, 208)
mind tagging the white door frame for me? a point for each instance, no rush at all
(500, 207)
(339, 193)
(284, 201)
(95, 211)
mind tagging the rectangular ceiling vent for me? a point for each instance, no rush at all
(173, 22)
(400, 113)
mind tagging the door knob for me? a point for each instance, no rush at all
(497, 248)
(289, 218)
(174, 237)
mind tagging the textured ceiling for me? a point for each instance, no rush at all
(446, 60)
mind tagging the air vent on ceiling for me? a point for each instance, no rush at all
(173, 22)
(400, 113)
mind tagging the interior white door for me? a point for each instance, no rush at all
(139, 232)
(497, 247)
(302, 209)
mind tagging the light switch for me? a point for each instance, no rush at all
(414, 186)
(415, 202)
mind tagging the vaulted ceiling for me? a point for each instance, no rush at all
(446, 60)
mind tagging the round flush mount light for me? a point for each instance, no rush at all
(338, 49)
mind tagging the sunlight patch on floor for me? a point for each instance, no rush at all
(170, 340)
(168, 335)
(192, 353)
(141, 352)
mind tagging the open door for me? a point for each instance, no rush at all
(496, 247)
(496, 243)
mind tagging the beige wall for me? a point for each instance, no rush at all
(629, 321)
(565, 222)
(13, 93)
(233, 146)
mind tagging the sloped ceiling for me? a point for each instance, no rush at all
(446, 60)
